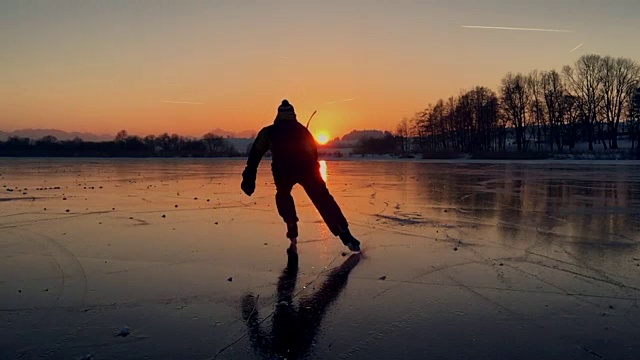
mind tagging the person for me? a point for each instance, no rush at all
(295, 161)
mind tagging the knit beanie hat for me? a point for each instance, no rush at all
(285, 107)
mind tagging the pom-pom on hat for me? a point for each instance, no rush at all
(285, 107)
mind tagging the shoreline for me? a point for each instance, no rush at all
(370, 158)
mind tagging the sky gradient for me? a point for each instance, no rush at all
(192, 66)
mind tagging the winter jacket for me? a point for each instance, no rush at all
(293, 148)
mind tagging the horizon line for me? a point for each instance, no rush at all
(233, 135)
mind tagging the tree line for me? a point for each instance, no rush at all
(123, 145)
(596, 100)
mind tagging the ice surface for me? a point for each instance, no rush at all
(547, 262)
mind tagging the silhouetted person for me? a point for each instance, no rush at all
(294, 329)
(295, 161)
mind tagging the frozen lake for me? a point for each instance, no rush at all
(460, 261)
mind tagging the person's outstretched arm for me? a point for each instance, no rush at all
(258, 149)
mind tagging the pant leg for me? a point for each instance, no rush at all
(284, 200)
(317, 190)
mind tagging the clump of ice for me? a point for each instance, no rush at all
(124, 332)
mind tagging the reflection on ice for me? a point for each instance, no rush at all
(294, 328)
(323, 169)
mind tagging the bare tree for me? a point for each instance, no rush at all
(450, 118)
(619, 77)
(464, 121)
(419, 125)
(176, 143)
(416, 128)
(121, 136)
(536, 109)
(485, 118)
(214, 143)
(403, 131)
(437, 119)
(554, 99)
(585, 83)
(515, 99)
(572, 117)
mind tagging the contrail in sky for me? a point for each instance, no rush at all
(339, 101)
(183, 102)
(576, 48)
(514, 28)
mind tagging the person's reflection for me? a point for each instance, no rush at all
(294, 329)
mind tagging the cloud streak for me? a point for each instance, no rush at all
(183, 102)
(576, 48)
(515, 28)
(340, 101)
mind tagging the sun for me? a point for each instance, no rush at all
(322, 137)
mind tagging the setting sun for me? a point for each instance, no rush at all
(322, 137)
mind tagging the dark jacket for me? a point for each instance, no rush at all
(293, 148)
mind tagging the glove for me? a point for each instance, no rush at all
(248, 187)
(248, 184)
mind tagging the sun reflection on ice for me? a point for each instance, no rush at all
(323, 169)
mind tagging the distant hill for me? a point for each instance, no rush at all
(59, 134)
(356, 135)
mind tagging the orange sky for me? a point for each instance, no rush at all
(192, 66)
